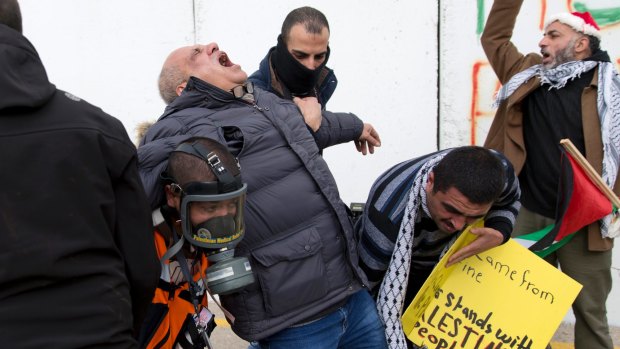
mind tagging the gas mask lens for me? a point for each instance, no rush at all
(214, 223)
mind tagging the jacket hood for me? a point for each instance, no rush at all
(23, 81)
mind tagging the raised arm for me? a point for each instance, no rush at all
(502, 54)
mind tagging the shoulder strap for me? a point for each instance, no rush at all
(194, 289)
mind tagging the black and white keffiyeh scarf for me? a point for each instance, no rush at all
(394, 284)
(608, 104)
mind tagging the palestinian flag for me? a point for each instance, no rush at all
(580, 202)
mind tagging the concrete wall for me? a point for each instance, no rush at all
(400, 64)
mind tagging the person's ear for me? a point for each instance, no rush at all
(181, 87)
(430, 182)
(172, 199)
(582, 45)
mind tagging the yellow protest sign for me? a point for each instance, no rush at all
(506, 297)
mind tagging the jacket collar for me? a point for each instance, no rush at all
(200, 94)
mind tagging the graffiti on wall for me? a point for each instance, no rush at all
(484, 82)
(604, 17)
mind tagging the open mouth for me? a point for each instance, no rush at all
(224, 61)
(449, 226)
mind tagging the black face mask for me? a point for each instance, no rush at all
(298, 79)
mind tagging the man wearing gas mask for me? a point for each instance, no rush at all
(195, 234)
(296, 68)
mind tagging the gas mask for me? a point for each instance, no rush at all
(223, 200)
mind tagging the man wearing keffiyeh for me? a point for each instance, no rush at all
(414, 212)
(568, 90)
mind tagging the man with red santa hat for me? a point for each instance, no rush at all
(568, 90)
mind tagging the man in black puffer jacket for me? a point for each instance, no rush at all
(310, 292)
(78, 266)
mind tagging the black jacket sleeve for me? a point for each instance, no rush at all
(338, 128)
(134, 236)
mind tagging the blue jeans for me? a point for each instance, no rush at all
(354, 325)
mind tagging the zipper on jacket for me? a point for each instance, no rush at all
(254, 105)
(259, 108)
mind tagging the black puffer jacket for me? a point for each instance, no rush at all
(299, 238)
(77, 259)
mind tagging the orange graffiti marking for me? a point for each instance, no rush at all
(543, 12)
(484, 86)
(474, 101)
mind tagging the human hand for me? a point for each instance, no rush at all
(487, 239)
(311, 110)
(368, 140)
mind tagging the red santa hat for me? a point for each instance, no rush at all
(582, 22)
